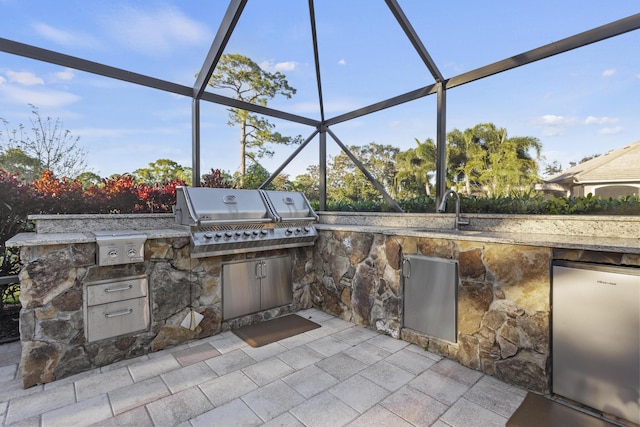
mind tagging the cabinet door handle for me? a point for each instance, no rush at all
(122, 288)
(406, 268)
(119, 313)
(264, 270)
(258, 270)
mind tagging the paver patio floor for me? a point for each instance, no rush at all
(338, 375)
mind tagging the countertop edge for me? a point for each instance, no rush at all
(43, 239)
(593, 243)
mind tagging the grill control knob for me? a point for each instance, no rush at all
(237, 234)
(306, 229)
(131, 253)
(113, 253)
(218, 236)
(263, 233)
(246, 234)
(289, 232)
(227, 235)
(255, 232)
(208, 235)
(298, 230)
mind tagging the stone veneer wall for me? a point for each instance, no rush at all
(503, 298)
(52, 319)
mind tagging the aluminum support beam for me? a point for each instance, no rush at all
(604, 32)
(63, 60)
(366, 173)
(195, 142)
(9, 280)
(414, 39)
(441, 144)
(242, 105)
(217, 47)
(286, 162)
(52, 57)
(322, 166)
(594, 35)
(316, 57)
(391, 102)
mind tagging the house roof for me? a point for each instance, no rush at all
(622, 164)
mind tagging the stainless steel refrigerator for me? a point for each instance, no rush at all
(596, 336)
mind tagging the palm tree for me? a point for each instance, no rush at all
(415, 164)
(484, 155)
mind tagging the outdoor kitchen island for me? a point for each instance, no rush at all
(353, 272)
(60, 264)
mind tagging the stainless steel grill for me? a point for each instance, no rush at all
(227, 221)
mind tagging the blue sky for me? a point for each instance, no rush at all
(577, 104)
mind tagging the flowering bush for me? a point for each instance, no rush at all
(50, 195)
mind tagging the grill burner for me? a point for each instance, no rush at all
(227, 221)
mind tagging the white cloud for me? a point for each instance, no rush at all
(2, 80)
(278, 66)
(41, 97)
(610, 131)
(591, 120)
(25, 78)
(157, 31)
(342, 62)
(62, 37)
(394, 124)
(122, 132)
(305, 107)
(54, 34)
(454, 67)
(553, 125)
(334, 106)
(66, 74)
(552, 119)
(608, 72)
(552, 131)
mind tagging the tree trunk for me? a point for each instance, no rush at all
(243, 143)
(427, 188)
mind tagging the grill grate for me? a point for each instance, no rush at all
(230, 227)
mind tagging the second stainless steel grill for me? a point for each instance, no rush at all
(226, 221)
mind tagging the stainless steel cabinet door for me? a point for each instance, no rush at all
(117, 318)
(276, 282)
(430, 296)
(240, 288)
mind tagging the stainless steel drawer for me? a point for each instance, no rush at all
(117, 318)
(111, 291)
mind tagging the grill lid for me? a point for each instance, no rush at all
(208, 206)
(227, 221)
(290, 206)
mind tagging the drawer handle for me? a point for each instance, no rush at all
(122, 288)
(119, 313)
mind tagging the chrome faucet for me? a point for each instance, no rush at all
(443, 206)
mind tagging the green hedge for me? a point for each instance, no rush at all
(530, 204)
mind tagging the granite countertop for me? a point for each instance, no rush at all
(42, 239)
(593, 243)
